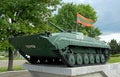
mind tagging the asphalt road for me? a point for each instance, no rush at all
(23, 73)
(4, 63)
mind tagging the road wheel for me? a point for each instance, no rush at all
(97, 58)
(92, 60)
(71, 59)
(102, 58)
(79, 59)
(86, 59)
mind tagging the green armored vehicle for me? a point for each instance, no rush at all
(69, 48)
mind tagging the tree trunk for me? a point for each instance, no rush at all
(10, 61)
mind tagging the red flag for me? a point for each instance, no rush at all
(84, 21)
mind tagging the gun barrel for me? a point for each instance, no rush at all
(57, 27)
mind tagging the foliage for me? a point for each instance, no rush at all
(113, 44)
(24, 17)
(66, 18)
(26, 11)
(115, 47)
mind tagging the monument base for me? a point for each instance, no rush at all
(107, 70)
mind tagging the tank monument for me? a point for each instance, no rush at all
(72, 48)
(65, 54)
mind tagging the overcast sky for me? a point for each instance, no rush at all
(108, 13)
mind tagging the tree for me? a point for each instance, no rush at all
(118, 48)
(66, 18)
(23, 17)
(34, 13)
(114, 46)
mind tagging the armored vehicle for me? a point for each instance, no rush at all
(69, 48)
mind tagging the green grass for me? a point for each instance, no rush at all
(114, 59)
(5, 58)
(4, 69)
(115, 55)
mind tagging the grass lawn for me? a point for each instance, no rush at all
(4, 69)
(4, 58)
(114, 59)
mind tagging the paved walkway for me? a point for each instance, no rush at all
(4, 63)
(16, 74)
(22, 73)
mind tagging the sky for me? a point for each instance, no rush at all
(108, 13)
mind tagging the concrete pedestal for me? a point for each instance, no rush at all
(107, 70)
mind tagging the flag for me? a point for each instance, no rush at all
(84, 21)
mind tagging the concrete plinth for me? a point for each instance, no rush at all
(107, 70)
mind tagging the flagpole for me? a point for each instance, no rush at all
(76, 27)
(76, 24)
